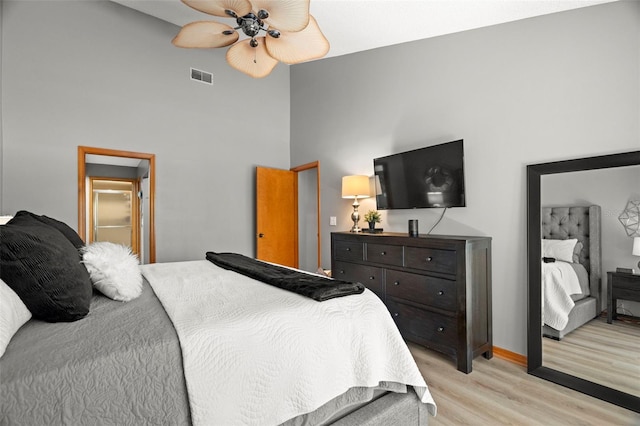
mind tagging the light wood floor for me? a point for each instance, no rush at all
(608, 354)
(498, 392)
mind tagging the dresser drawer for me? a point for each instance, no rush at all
(424, 327)
(386, 254)
(370, 276)
(348, 250)
(436, 292)
(428, 259)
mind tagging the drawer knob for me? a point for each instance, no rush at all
(342, 271)
(348, 248)
(395, 314)
(396, 283)
(429, 259)
(372, 277)
(440, 329)
(440, 293)
(383, 253)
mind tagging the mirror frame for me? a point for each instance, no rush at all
(534, 273)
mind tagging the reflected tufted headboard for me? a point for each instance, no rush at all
(583, 223)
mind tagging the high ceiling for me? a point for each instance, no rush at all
(358, 25)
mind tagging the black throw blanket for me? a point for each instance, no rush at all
(313, 286)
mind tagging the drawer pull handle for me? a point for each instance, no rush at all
(440, 293)
(429, 259)
(396, 283)
(440, 329)
(372, 277)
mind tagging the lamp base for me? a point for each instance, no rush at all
(355, 216)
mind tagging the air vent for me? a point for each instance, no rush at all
(202, 76)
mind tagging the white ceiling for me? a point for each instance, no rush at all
(357, 25)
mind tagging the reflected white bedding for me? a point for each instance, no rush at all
(559, 282)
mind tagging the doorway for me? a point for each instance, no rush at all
(288, 216)
(114, 214)
(116, 165)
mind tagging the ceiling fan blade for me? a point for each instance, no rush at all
(253, 61)
(301, 46)
(205, 34)
(284, 15)
(218, 7)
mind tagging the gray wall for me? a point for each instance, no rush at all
(554, 87)
(99, 74)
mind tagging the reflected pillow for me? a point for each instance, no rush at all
(114, 270)
(559, 249)
(576, 252)
(13, 315)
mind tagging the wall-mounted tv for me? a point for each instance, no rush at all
(427, 177)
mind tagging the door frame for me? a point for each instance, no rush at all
(304, 167)
(83, 151)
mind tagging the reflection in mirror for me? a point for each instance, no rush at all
(106, 211)
(583, 350)
(589, 347)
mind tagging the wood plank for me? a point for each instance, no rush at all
(608, 354)
(500, 392)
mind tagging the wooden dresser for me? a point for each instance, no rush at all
(437, 287)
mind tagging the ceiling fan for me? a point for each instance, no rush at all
(291, 34)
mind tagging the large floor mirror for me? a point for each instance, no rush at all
(596, 357)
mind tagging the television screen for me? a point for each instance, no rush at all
(427, 177)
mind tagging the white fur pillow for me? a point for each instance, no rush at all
(114, 270)
(13, 315)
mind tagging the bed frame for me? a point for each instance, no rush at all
(583, 223)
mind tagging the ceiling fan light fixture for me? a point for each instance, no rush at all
(294, 35)
(231, 13)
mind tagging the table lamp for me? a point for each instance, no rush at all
(355, 187)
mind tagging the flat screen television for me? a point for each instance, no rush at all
(422, 178)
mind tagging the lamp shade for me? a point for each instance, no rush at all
(355, 186)
(636, 246)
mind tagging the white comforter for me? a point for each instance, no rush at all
(257, 355)
(559, 281)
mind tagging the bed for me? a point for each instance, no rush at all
(572, 274)
(201, 344)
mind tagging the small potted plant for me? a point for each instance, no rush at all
(372, 217)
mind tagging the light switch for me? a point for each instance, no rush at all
(333, 221)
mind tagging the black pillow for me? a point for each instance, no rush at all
(40, 264)
(66, 230)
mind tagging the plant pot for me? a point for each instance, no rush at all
(372, 225)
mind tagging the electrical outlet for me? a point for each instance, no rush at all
(333, 221)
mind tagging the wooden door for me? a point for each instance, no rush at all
(277, 216)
